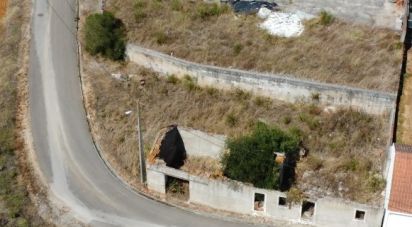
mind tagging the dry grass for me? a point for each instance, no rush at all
(16, 208)
(203, 166)
(337, 53)
(329, 135)
(405, 110)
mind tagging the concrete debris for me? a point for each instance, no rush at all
(119, 76)
(283, 24)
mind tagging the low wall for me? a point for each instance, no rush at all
(275, 86)
(237, 197)
(198, 143)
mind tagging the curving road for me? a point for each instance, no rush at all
(64, 149)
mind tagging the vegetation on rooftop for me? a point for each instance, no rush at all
(250, 158)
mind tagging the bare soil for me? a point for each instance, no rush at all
(340, 53)
(3, 8)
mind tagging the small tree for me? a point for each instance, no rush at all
(105, 34)
(251, 158)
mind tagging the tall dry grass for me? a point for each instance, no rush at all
(340, 53)
(329, 135)
(16, 208)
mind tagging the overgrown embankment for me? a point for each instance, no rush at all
(16, 208)
(333, 52)
(345, 147)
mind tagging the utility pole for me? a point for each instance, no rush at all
(142, 157)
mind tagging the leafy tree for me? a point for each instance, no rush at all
(251, 158)
(105, 35)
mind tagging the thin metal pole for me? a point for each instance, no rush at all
(142, 157)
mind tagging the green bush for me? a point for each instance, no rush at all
(237, 48)
(231, 120)
(326, 18)
(139, 10)
(177, 5)
(251, 158)
(189, 83)
(161, 37)
(105, 35)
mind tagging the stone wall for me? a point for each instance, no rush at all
(281, 87)
(237, 197)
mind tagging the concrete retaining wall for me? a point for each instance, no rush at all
(198, 143)
(237, 197)
(275, 86)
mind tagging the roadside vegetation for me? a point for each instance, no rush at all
(105, 35)
(346, 147)
(16, 209)
(329, 50)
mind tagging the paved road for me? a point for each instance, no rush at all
(63, 146)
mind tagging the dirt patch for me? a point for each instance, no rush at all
(340, 53)
(3, 8)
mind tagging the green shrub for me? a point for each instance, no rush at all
(105, 35)
(212, 91)
(310, 121)
(237, 48)
(287, 120)
(262, 101)
(161, 37)
(376, 182)
(172, 79)
(139, 10)
(176, 5)
(189, 83)
(231, 120)
(241, 95)
(315, 96)
(251, 159)
(326, 18)
(294, 196)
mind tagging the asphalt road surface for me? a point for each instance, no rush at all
(64, 149)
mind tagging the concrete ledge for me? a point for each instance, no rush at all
(278, 86)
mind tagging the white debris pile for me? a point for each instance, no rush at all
(282, 23)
